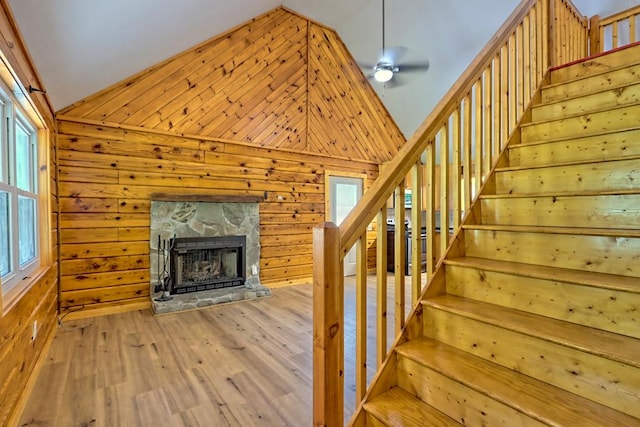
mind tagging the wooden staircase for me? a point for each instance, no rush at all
(539, 323)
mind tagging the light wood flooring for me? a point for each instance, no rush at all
(242, 364)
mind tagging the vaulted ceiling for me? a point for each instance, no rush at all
(83, 46)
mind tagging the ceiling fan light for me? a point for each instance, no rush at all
(383, 74)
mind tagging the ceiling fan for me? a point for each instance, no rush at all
(388, 64)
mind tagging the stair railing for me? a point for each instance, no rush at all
(569, 33)
(614, 31)
(448, 160)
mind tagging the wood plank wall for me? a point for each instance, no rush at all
(263, 109)
(18, 353)
(108, 174)
(276, 81)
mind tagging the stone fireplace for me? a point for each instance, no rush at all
(205, 253)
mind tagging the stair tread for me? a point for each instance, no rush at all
(595, 65)
(559, 195)
(580, 114)
(586, 278)
(592, 58)
(535, 398)
(398, 407)
(564, 164)
(595, 341)
(573, 137)
(570, 138)
(583, 231)
(599, 90)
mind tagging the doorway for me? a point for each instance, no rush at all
(342, 194)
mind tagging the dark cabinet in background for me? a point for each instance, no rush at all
(407, 249)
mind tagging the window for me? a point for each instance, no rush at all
(19, 196)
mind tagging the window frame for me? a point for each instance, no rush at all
(16, 110)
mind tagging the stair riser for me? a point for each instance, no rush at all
(611, 211)
(608, 382)
(584, 125)
(602, 254)
(456, 400)
(612, 98)
(374, 422)
(398, 407)
(614, 78)
(592, 148)
(609, 310)
(593, 177)
(598, 65)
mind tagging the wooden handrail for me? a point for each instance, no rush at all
(628, 13)
(469, 129)
(602, 39)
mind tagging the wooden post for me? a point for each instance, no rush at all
(594, 35)
(400, 254)
(445, 167)
(328, 327)
(553, 33)
(381, 286)
(416, 232)
(361, 316)
(430, 195)
(468, 161)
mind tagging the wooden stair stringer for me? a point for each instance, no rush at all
(386, 377)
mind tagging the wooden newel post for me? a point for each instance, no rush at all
(328, 327)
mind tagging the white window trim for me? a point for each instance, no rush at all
(22, 109)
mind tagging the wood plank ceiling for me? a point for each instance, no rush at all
(277, 81)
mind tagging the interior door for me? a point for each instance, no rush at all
(344, 193)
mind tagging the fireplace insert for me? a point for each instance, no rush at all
(205, 263)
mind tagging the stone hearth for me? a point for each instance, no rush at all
(206, 219)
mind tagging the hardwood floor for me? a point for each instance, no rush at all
(243, 364)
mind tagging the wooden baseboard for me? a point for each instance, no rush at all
(292, 282)
(16, 415)
(105, 311)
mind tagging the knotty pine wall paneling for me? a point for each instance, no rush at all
(260, 110)
(279, 81)
(340, 94)
(18, 352)
(106, 186)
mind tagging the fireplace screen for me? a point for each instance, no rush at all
(204, 263)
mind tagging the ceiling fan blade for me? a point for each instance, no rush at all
(413, 66)
(393, 54)
(366, 66)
